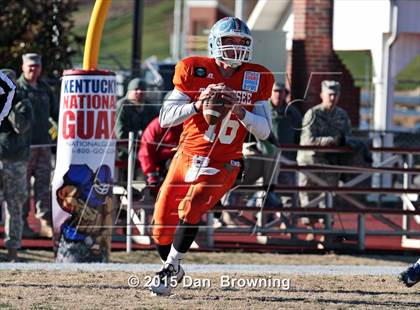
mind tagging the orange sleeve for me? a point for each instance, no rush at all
(182, 77)
(267, 81)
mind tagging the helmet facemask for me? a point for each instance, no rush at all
(233, 54)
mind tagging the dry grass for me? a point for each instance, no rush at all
(109, 290)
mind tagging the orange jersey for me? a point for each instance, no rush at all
(251, 82)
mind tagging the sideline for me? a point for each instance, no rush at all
(216, 268)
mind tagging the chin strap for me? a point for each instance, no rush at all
(235, 65)
(231, 63)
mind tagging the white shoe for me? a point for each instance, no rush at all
(217, 223)
(166, 279)
(180, 274)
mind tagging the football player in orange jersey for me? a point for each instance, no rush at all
(206, 163)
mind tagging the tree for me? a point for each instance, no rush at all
(40, 26)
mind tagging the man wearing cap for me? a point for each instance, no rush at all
(325, 124)
(45, 107)
(134, 113)
(14, 154)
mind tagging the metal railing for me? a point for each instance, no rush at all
(402, 156)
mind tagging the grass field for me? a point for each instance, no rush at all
(109, 290)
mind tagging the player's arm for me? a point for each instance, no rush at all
(178, 107)
(258, 122)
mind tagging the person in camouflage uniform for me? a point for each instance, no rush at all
(14, 154)
(325, 124)
(45, 108)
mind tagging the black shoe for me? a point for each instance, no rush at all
(166, 279)
(28, 233)
(12, 256)
(411, 275)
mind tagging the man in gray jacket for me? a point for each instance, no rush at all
(134, 113)
(14, 154)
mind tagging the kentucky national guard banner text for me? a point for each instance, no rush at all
(82, 183)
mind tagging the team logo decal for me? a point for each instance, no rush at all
(251, 81)
(200, 72)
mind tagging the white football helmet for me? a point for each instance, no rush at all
(233, 55)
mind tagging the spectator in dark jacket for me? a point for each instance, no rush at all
(133, 113)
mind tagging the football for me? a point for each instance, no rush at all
(215, 106)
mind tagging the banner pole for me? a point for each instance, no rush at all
(130, 174)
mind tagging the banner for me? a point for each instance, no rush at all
(82, 182)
